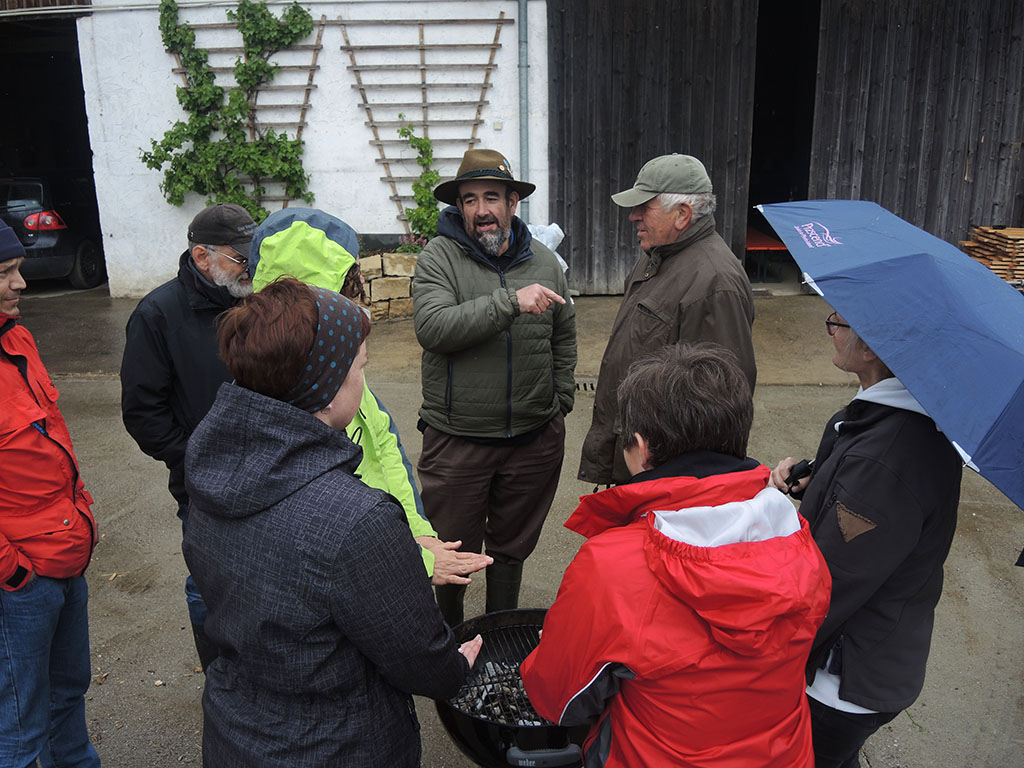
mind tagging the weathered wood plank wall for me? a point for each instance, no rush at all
(633, 79)
(920, 108)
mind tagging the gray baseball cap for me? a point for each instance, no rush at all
(676, 174)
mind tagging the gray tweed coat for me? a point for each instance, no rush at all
(316, 594)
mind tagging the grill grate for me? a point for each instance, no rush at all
(494, 689)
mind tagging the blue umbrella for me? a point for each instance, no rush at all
(947, 327)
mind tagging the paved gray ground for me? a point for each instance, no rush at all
(144, 706)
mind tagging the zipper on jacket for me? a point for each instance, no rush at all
(22, 365)
(508, 364)
(448, 394)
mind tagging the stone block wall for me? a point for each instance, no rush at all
(389, 284)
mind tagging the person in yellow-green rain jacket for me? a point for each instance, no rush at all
(320, 249)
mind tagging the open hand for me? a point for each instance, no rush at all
(471, 649)
(450, 565)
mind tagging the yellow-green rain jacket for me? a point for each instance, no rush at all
(320, 249)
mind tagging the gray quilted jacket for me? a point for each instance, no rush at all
(489, 371)
(317, 597)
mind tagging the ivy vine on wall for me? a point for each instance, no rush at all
(423, 218)
(221, 151)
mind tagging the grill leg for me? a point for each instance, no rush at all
(449, 600)
(503, 586)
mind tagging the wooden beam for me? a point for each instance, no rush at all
(413, 104)
(396, 86)
(281, 67)
(416, 66)
(421, 47)
(428, 123)
(425, 22)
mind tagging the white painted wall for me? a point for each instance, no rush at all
(130, 99)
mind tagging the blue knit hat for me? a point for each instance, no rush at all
(10, 245)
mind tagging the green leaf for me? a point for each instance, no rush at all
(213, 152)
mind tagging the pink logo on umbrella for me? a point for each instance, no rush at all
(816, 235)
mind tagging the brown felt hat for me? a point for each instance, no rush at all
(482, 165)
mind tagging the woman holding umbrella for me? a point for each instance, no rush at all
(881, 501)
(316, 599)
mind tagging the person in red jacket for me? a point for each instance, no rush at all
(682, 627)
(47, 535)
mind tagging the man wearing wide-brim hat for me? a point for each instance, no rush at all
(498, 333)
(686, 285)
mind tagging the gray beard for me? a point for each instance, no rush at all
(491, 242)
(233, 284)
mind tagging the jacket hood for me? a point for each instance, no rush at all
(727, 547)
(251, 451)
(305, 243)
(451, 224)
(694, 478)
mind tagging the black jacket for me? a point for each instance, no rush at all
(882, 507)
(316, 596)
(170, 371)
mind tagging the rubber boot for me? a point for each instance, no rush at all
(204, 646)
(503, 582)
(449, 600)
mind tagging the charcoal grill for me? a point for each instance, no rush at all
(491, 719)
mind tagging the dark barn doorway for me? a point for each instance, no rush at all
(45, 157)
(783, 121)
(41, 97)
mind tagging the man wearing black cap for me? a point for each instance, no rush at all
(47, 535)
(170, 371)
(499, 352)
(685, 286)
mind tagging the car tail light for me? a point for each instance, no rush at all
(44, 221)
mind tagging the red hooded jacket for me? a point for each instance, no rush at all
(45, 523)
(679, 654)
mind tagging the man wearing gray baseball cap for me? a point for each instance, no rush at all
(685, 286)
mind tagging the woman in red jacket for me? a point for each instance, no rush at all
(682, 627)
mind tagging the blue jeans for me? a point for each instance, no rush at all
(194, 600)
(44, 674)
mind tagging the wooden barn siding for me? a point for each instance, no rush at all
(633, 79)
(920, 108)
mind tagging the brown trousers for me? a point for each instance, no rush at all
(491, 494)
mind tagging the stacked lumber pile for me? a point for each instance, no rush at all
(1001, 250)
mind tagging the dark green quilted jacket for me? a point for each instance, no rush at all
(489, 371)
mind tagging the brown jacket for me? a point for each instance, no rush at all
(694, 289)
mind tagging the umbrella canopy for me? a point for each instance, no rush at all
(946, 326)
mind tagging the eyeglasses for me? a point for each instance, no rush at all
(241, 260)
(831, 325)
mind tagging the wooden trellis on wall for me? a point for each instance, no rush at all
(439, 85)
(290, 91)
